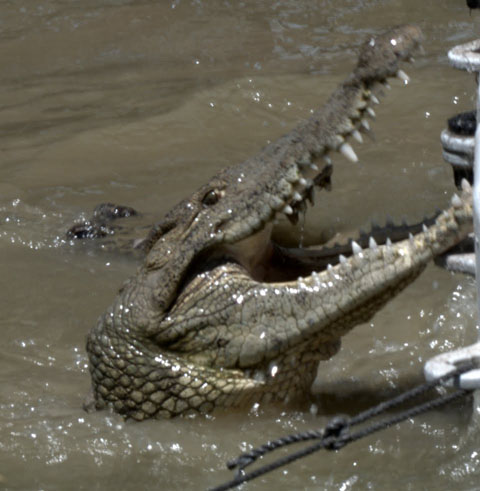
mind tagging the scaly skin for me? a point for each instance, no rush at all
(216, 317)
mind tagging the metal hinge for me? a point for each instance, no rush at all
(446, 363)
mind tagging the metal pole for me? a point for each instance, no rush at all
(476, 198)
(467, 57)
(464, 57)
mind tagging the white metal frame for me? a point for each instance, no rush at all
(465, 57)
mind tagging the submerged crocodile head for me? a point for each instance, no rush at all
(218, 315)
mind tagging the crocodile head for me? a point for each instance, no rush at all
(232, 215)
(218, 315)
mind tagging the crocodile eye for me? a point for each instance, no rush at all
(211, 198)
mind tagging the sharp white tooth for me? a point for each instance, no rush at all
(360, 104)
(388, 242)
(342, 259)
(306, 183)
(403, 76)
(358, 136)
(387, 85)
(456, 201)
(327, 159)
(287, 210)
(365, 124)
(410, 238)
(329, 267)
(347, 151)
(348, 126)
(356, 248)
(424, 228)
(314, 167)
(371, 112)
(372, 243)
(297, 196)
(466, 186)
(374, 99)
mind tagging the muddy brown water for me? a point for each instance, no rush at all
(138, 103)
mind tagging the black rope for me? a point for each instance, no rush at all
(337, 433)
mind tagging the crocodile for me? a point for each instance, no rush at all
(218, 315)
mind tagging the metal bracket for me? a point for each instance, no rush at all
(458, 150)
(446, 363)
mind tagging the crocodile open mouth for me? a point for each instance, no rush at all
(267, 261)
(218, 314)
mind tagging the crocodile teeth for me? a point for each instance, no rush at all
(342, 259)
(303, 182)
(347, 151)
(348, 126)
(327, 160)
(410, 237)
(360, 103)
(297, 196)
(456, 201)
(287, 210)
(365, 124)
(374, 99)
(403, 76)
(314, 167)
(466, 186)
(358, 136)
(388, 242)
(372, 244)
(371, 112)
(331, 271)
(424, 229)
(356, 248)
(387, 85)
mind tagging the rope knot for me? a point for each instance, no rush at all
(335, 431)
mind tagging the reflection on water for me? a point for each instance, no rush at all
(137, 102)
